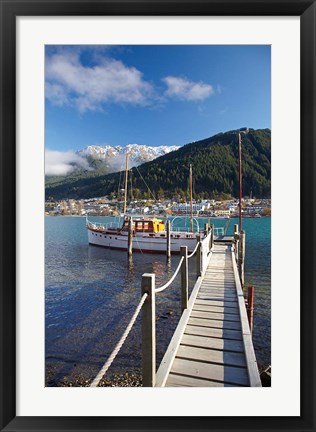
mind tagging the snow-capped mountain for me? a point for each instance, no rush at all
(114, 157)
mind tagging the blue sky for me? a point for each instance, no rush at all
(153, 95)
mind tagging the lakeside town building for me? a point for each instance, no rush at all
(105, 207)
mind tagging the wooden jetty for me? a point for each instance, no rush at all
(212, 344)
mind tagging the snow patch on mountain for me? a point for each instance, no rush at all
(114, 157)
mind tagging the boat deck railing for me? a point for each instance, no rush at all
(112, 224)
(218, 231)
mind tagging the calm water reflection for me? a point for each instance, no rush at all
(91, 293)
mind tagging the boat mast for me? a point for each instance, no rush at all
(240, 181)
(125, 186)
(191, 203)
(243, 131)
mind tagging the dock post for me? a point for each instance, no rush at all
(236, 237)
(168, 239)
(149, 331)
(205, 229)
(198, 256)
(212, 236)
(251, 295)
(184, 278)
(242, 246)
(130, 238)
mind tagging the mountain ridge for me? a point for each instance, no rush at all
(215, 171)
(114, 156)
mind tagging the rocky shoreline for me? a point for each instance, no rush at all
(127, 379)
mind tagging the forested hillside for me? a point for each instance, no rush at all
(215, 171)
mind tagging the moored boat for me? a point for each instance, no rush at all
(148, 235)
(145, 234)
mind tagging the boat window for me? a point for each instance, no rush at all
(178, 235)
(162, 235)
(139, 226)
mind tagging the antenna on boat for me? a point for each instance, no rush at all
(125, 186)
(191, 203)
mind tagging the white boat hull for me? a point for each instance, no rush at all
(143, 242)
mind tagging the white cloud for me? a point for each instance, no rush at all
(62, 163)
(183, 89)
(56, 94)
(70, 82)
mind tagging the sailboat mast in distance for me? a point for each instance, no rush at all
(148, 232)
(191, 203)
(125, 186)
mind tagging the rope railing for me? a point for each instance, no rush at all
(119, 345)
(195, 249)
(163, 287)
(202, 251)
(148, 314)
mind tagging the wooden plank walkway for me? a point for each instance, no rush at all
(212, 345)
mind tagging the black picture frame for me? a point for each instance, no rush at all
(10, 9)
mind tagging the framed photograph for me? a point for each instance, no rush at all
(71, 71)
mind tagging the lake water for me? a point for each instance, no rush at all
(91, 294)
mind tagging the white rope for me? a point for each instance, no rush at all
(191, 255)
(157, 290)
(119, 345)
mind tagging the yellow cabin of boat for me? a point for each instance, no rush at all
(158, 225)
(147, 225)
